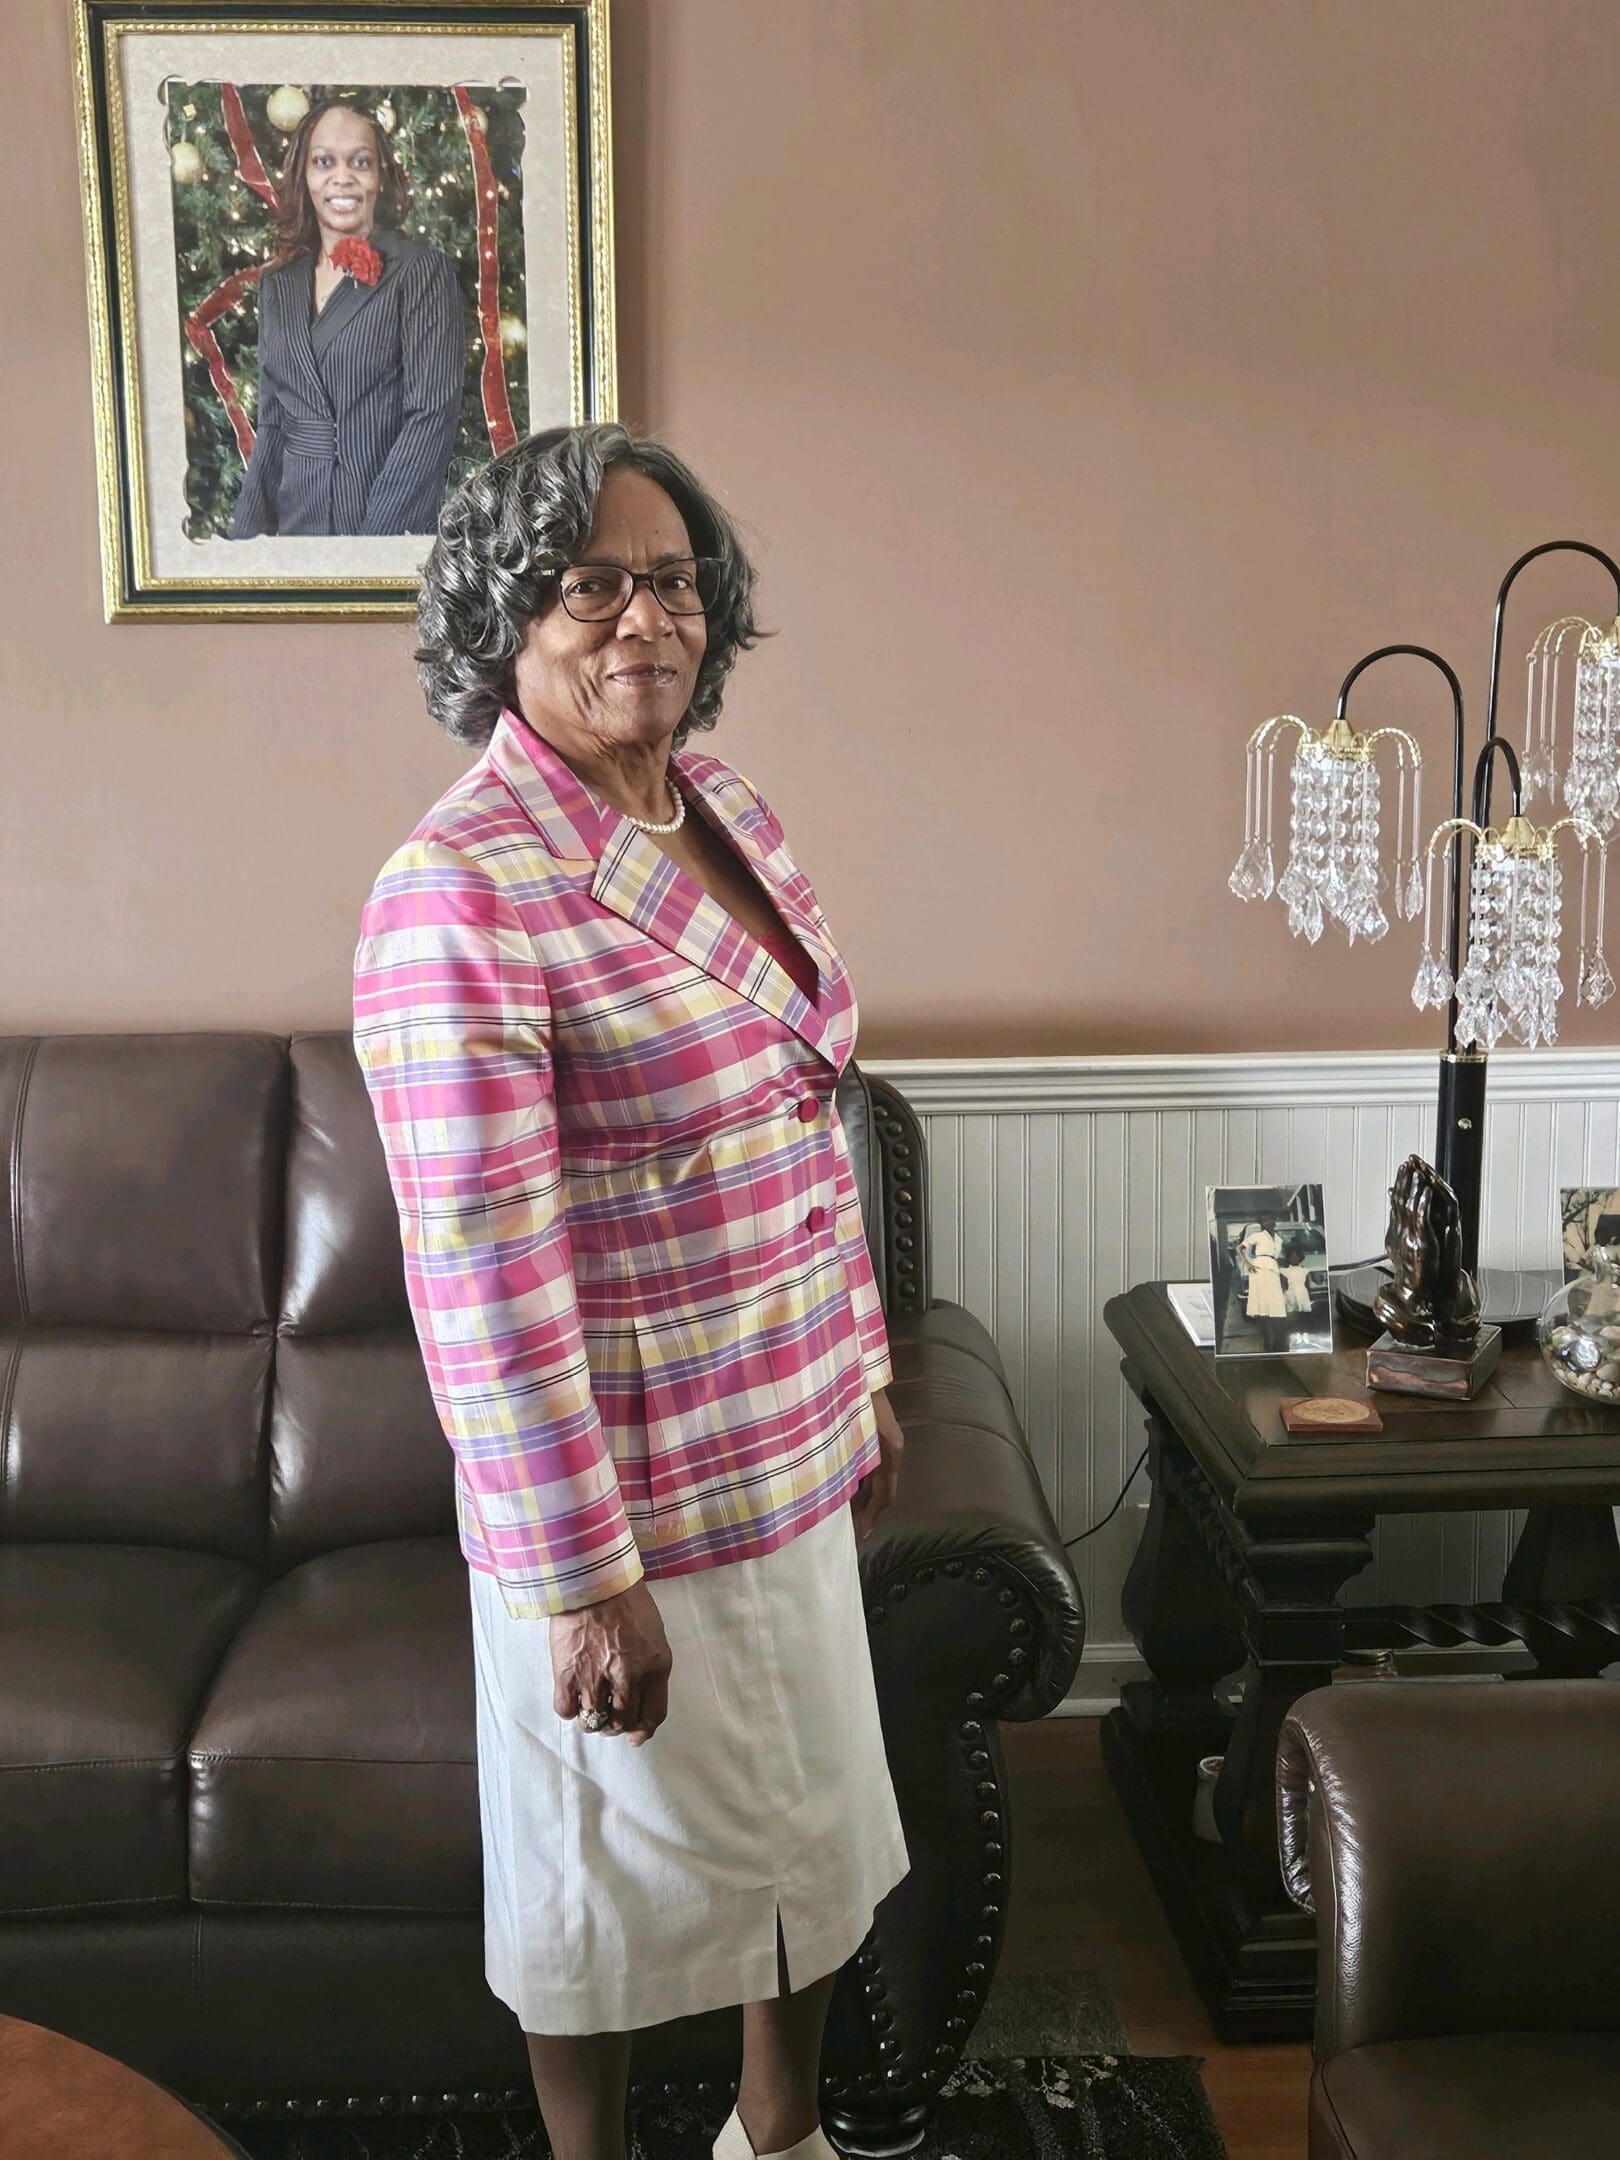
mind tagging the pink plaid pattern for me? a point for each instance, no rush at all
(633, 1245)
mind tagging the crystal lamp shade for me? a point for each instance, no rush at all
(1589, 784)
(1333, 873)
(1510, 983)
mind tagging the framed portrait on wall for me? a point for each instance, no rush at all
(337, 257)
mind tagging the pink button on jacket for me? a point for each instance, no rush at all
(633, 1245)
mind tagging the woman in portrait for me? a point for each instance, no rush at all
(1261, 1253)
(601, 1017)
(362, 346)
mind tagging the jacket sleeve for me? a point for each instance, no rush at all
(863, 1290)
(255, 510)
(408, 489)
(864, 1296)
(452, 1030)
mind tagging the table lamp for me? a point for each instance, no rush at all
(1510, 980)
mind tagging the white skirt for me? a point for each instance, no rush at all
(626, 1885)
(1266, 1300)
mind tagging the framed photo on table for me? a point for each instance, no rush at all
(337, 256)
(1588, 1215)
(1269, 1280)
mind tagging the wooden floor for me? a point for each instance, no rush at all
(1082, 1901)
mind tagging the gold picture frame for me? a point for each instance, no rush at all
(497, 115)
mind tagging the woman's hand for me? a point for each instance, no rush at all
(613, 1655)
(876, 1490)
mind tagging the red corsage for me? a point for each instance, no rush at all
(359, 258)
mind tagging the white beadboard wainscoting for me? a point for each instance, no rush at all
(1055, 1182)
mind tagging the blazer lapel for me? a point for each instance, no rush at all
(349, 298)
(638, 881)
(295, 290)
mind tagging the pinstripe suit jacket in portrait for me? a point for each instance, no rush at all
(633, 1243)
(357, 410)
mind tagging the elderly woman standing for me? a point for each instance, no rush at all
(601, 1017)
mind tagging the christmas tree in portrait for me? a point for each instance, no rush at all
(227, 147)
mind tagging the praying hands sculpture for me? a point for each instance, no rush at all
(1433, 1302)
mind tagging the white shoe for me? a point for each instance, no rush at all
(732, 2144)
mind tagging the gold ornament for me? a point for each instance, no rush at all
(284, 108)
(185, 163)
(386, 116)
(514, 335)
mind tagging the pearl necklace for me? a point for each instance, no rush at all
(673, 824)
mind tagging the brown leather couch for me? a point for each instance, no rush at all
(1460, 1842)
(239, 1843)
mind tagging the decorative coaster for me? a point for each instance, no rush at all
(1328, 1413)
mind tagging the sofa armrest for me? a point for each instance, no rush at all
(970, 1506)
(1460, 1842)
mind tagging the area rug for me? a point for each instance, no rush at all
(1046, 2075)
(1048, 2014)
(1021, 2107)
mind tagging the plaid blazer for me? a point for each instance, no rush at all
(633, 1245)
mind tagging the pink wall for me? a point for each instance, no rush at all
(1093, 380)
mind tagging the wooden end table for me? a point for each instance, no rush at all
(1251, 1535)
(62, 2100)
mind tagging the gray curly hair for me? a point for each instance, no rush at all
(530, 511)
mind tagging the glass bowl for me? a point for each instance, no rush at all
(1579, 1332)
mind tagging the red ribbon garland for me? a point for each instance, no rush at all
(249, 165)
(199, 332)
(492, 377)
(202, 340)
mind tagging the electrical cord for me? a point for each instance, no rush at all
(1102, 1522)
(1080, 1536)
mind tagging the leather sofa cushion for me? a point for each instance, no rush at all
(1471, 2096)
(148, 1178)
(123, 1436)
(334, 1763)
(108, 1650)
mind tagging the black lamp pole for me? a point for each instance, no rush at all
(1459, 1141)
(1459, 1147)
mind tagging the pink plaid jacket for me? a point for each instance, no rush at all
(633, 1244)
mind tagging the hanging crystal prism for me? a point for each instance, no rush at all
(1252, 875)
(1595, 981)
(1408, 818)
(1433, 984)
(1538, 765)
(1592, 781)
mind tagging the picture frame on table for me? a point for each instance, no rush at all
(1588, 1215)
(337, 257)
(1269, 1281)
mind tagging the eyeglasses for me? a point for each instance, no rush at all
(596, 592)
